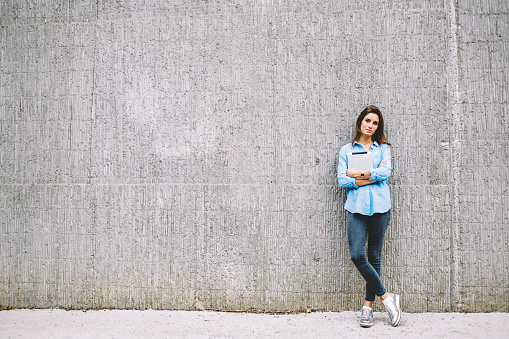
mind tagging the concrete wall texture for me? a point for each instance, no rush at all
(182, 154)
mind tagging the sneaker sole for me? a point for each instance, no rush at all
(398, 306)
(367, 324)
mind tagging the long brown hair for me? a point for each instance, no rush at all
(379, 135)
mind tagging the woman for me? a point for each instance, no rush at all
(369, 209)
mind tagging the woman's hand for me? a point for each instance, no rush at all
(353, 173)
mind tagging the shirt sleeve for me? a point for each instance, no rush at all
(382, 173)
(343, 180)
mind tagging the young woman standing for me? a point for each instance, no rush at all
(369, 209)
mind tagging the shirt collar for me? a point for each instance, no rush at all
(374, 143)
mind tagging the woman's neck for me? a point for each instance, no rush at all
(364, 140)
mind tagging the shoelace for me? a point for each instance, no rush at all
(365, 312)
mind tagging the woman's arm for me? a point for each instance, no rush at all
(344, 180)
(382, 173)
(358, 174)
(364, 182)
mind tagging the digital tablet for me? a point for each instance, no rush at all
(360, 160)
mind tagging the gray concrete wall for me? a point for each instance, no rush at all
(182, 154)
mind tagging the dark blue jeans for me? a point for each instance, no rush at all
(371, 228)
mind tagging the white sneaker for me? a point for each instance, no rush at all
(366, 317)
(393, 306)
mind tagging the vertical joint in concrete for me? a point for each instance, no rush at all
(454, 103)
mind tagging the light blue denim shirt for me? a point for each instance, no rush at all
(369, 199)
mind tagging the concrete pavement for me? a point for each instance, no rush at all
(57, 323)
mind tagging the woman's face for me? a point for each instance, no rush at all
(369, 125)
